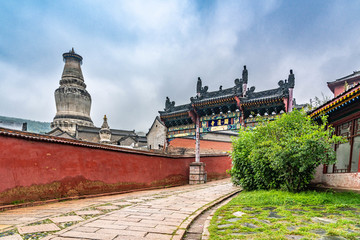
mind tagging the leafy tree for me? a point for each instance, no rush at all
(283, 153)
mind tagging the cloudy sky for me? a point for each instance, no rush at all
(138, 52)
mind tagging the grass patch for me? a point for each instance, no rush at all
(284, 215)
(8, 233)
(45, 221)
(66, 224)
(36, 236)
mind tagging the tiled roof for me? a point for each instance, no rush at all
(113, 131)
(353, 75)
(46, 138)
(214, 95)
(176, 110)
(229, 96)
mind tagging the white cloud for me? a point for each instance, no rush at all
(138, 52)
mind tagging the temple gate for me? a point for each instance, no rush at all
(224, 110)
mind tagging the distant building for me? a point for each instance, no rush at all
(73, 105)
(156, 137)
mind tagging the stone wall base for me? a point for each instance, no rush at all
(197, 173)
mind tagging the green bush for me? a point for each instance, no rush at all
(283, 153)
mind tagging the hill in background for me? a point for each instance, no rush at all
(32, 126)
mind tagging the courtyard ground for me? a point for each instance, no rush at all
(156, 214)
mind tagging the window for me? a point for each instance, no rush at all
(347, 154)
(342, 157)
(355, 154)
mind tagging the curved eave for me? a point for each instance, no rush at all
(214, 101)
(173, 115)
(336, 103)
(349, 79)
(262, 101)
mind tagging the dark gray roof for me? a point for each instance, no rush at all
(223, 93)
(353, 75)
(264, 95)
(113, 131)
(229, 95)
(176, 109)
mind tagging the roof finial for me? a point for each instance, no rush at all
(72, 50)
(105, 124)
(291, 79)
(198, 85)
(245, 75)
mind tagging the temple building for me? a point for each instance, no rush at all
(217, 115)
(343, 113)
(73, 105)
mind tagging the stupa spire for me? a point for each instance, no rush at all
(73, 102)
(105, 133)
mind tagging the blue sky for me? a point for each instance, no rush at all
(138, 52)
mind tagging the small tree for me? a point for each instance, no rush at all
(316, 102)
(283, 153)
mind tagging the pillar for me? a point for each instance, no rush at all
(197, 139)
(197, 174)
(290, 103)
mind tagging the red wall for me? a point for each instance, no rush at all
(36, 169)
(204, 144)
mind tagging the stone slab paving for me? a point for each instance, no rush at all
(66, 219)
(4, 227)
(12, 237)
(38, 228)
(156, 214)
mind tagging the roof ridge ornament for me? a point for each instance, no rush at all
(199, 89)
(250, 90)
(169, 106)
(105, 123)
(245, 75)
(291, 79)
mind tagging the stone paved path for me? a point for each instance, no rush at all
(156, 214)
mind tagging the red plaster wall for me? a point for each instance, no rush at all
(339, 90)
(204, 144)
(33, 170)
